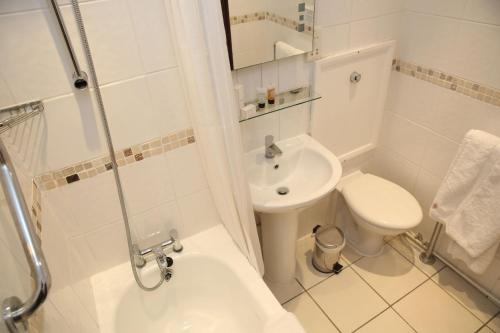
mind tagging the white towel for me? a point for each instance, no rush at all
(467, 201)
(283, 50)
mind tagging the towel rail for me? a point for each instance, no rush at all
(429, 256)
(14, 311)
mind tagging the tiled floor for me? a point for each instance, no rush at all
(393, 292)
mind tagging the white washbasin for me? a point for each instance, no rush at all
(309, 172)
(307, 169)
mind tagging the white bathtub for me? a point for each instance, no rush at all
(214, 289)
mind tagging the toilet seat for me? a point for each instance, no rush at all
(382, 203)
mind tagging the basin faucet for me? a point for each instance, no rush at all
(164, 263)
(271, 148)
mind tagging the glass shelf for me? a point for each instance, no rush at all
(284, 101)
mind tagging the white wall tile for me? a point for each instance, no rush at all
(375, 30)
(485, 11)
(153, 34)
(412, 99)
(404, 137)
(103, 248)
(333, 39)
(85, 205)
(153, 226)
(6, 97)
(332, 12)
(270, 75)
(186, 170)
(456, 114)
(452, 8)
(111, 35)
(72, 132)
(146, 184)
(294, 72)
(362, 9)
(168, 100)
(477, 52)
(426, 187)
(429, 40)
(32, 63)
(439, 154)
(393, 167)
(129, 111)
(254, 131)
(294, 121)
(203, 217)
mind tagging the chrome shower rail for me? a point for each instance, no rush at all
(14, 311)
(80, 79)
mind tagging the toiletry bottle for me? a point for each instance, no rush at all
(261, 98)
(271, 94)
(240, 94)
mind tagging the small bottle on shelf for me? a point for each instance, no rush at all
(271, 94)
(261, 98)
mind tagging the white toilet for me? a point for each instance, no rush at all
(379, 208)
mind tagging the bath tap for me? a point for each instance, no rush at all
(173, 244)
(271, 148)
(164, 263)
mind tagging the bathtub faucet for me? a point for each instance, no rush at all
(164, 263)
(159, 251)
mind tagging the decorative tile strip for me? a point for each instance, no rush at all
(448, 81)
(36, 209)
(133, 154)
(281, 20)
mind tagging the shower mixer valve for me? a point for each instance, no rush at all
(160, 254)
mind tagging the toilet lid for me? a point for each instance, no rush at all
(382, 203)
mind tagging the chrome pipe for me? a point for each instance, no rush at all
(481, 289)
(428, 257)
(14, 311)
(80, 79)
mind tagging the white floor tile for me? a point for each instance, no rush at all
(285, 292)
(390, 274)
(411, 252)
(310, 315)
(430, 309)
(349, 256)
(466, 294)
(307, 275)
(485, 329)
(495, 324)
(347, 300)
(388, 321)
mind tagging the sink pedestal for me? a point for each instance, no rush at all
(279, 237)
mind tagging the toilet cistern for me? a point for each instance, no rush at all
(271, 148)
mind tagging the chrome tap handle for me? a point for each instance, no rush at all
(174, 236)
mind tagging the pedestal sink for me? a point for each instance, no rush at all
(283, 186)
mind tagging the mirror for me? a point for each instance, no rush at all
(258, 31)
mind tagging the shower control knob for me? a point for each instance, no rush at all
(355, 77)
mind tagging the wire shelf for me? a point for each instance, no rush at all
(14, 115)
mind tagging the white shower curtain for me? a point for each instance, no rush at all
(198, 34)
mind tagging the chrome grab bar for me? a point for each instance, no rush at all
(14, 311)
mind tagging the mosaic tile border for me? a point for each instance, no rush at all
(281, 20)
(448, 81)
(36, 209)
(96, 166)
